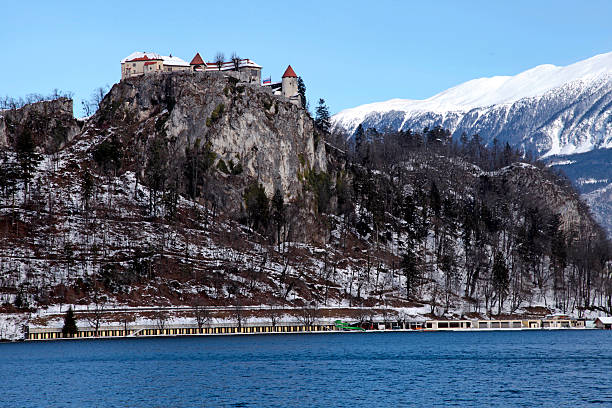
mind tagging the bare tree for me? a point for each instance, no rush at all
(127, 318)
(238, 312)
(274, 313)
(362, 313)
(98, 95)
(235, 61)
(219, 59)
(308, 314)
(96, 310)
(91, 105)
(202, 315)
(161, 318)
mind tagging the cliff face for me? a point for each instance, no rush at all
(50, 123)
(245, 127)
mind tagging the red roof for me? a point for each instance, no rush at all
(145, 58)
(197, 60)
(289, 73)
(150, 63)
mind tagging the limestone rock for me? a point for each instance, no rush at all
(51, 124)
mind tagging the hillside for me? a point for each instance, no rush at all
(190, 190)
(549, 110)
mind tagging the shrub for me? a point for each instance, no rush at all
(222, 166)
(215, 115)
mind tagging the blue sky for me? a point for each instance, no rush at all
(348, 52)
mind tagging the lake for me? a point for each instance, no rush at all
(523, 368)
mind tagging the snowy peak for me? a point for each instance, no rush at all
(485, 92)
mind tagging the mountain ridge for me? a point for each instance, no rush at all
(488, 91)
(547, 109)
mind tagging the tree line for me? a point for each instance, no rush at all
(469, 239)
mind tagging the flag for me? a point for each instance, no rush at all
(267, 80)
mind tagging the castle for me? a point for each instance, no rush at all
(144, 63)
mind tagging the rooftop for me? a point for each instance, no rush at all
(149, 56)
(197, 60)
(244, 63)
(289, 73)
(141, 56)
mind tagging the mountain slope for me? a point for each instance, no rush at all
(549, 109)
(552, 111)
(591, 173)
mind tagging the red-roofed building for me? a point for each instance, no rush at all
(197, 63)
(290, 86)
(244, 70)
(289, 73)
(140, 63)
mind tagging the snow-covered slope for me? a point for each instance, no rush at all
(591, 173)
(550, 109)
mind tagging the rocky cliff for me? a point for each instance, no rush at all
(250, 132)
(50, 123)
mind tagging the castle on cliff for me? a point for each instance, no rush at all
(145, 63)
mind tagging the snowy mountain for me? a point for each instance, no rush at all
(564, 114)
(552, 110)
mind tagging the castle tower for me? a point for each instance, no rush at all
(289, 84)
(197, 63)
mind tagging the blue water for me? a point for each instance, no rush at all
(541, 368)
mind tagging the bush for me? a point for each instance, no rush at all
(222, 166)
(215, 115)
(236, 169)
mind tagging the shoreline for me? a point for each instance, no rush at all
(243, 332)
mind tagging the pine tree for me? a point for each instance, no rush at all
(20, 302)
(27, 157)
(435, 200)
(302, 91)
(322, 116)
(501, 279)
(70, 328)
(87, 188)
(359, 141)
(156, 170)
(410, 270)
(257, 206)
